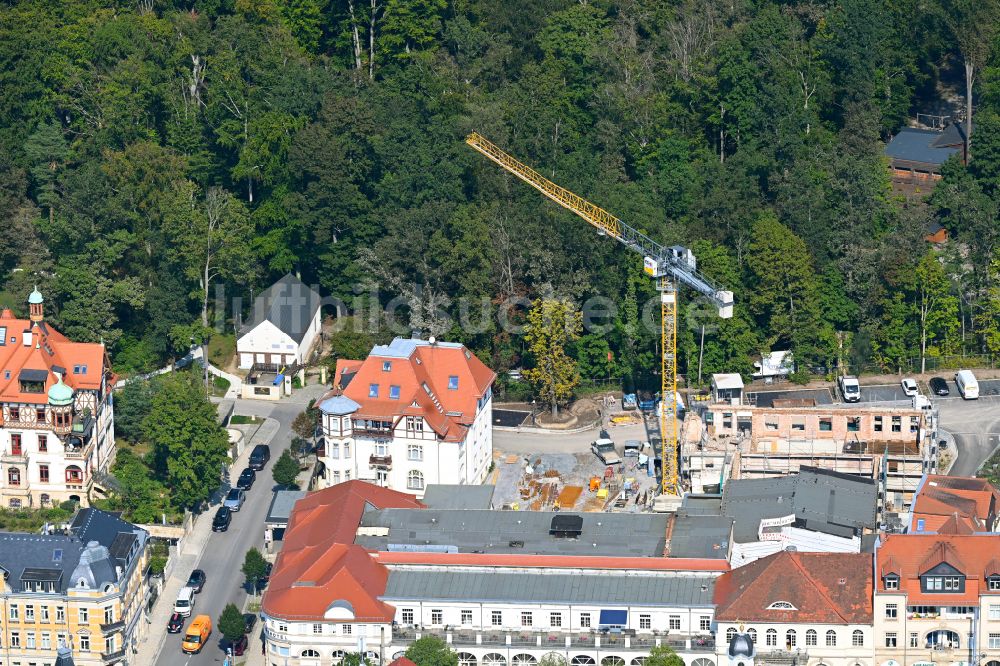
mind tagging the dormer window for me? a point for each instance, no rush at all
(892, 582)
(993, 583)
(781, 605)
(386, 366)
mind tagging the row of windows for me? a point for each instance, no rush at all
(791, 637)
(527, 619)
(45, 641)
(73, 474)
(938, 638)
(82, 614)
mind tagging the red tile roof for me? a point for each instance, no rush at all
(49, 349)
(913, 554)
(941, 497)
(402, 661)
(423, 381)
(319, 563)
(552, 561)
(827, 588)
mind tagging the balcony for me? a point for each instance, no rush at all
(14, 457)
(112, 657)
(581, 639)
(783, 657)
(383, 462)
(112, 627)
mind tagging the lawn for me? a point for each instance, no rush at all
(240, 419)
(221, 348)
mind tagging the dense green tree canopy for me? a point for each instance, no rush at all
(158, 161)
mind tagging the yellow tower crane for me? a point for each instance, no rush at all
(669, 266)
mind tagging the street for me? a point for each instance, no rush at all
(222, 558)
(975, 424)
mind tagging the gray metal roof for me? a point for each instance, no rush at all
(22, 554)
(917, 145)
(518, 532)
(288, 304)
(282, 504)
(606, 589)
(447, 496)
(699, 536)
(821, 500)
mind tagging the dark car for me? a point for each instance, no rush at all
(249, 620)
(262, 583)
(222, 519)
(196, 580)
(176, 624)
(259, 456)
(939, 386)
(238, 647)
(247, 477)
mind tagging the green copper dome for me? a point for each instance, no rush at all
(60, 395)
(36, 297)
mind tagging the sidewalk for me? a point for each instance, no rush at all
(190, 556)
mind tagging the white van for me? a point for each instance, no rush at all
(850, 389)
(967, 384)
(185, 601)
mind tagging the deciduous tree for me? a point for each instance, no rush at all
(552, 324)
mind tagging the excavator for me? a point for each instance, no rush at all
(671, 266)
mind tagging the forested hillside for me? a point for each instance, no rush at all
(152, 150)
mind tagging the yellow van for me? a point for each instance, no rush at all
(197, 635)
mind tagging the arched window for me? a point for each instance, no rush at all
(858, 638)
(466, 659)
(309, 652)
(15, 502)
(790, 638)
(831, 638)
(583, 660)
(701, 661)
(772, 638)
(522, 659)
(639, 661)
(811, 637)
(612, 661)
(781, 605)
(753, 635)
(338, 656)
(74, 474)
(45, 499)
(494, 659)
(730, 634)
(415, 481)
(554, 659)
(14, 476)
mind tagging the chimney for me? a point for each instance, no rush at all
(27, 337)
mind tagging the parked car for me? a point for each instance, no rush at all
(605, 451)
(909, 387)
(259, 456)
(247, 477)
(222, 519)
(196, 580)
(185, 602)
(238, 647)
(262, 583)
(939, 386)
(850, 389)
(234, 500)
(175, 624)
(249, 620)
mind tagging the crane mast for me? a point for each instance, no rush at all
(667, 265)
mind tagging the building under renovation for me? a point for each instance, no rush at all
(725, 438)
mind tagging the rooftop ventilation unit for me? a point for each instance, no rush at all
(566, 526)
